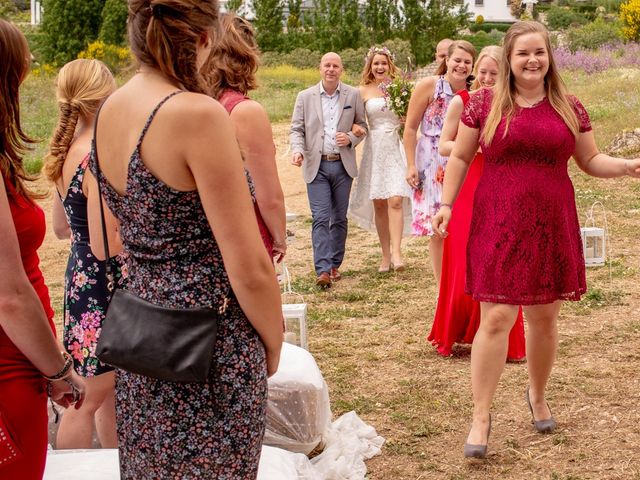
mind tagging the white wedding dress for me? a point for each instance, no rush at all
(382, 168)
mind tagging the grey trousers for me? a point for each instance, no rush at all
(329, 199)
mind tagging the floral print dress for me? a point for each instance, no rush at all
(430, 164)
(169, 430)
(86, 295)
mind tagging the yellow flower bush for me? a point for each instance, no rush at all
(630, 16)
(115, 57)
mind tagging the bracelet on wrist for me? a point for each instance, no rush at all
(65, 371)
(447, 205)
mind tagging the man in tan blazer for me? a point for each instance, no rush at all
(323, 145)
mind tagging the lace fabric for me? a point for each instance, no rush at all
(383, 166)
(524, 245)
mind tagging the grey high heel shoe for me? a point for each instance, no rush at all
(476, 450)
(542, 426)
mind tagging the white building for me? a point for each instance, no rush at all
(491, 10)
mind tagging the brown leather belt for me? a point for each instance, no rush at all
(332, 157)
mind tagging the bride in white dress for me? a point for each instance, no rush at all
(381, 191)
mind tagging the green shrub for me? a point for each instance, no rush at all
(630, 17)
(488, 26)
(353, 59)
(7, 8)
(114, 22)
(482, 39)
(68, 27)
(404, 58)
(115, 57)
(593, 35)
(559, 18)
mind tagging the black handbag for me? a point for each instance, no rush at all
(138, 336)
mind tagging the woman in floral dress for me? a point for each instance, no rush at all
(171, 172)
(425, 166)
(80, 88)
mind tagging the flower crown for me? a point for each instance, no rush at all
(381, 50)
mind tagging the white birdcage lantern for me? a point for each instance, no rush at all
(294, 314)
(594, 239)
(295, 324)
(593, 246)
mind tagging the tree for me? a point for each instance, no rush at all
(68, 26)
(334, 25)
(379, 18)
(268, 23)
(114, 22)
(429, 21)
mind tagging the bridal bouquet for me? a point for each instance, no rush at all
(397, 93)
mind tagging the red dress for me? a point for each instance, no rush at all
(229, 99)
(457, 315)
(524, 243)
(23, 400)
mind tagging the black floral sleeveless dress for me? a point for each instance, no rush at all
(171, 430)
(86, 295)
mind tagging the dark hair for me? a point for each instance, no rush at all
(234, 60)
(164, 33)
(14, 143)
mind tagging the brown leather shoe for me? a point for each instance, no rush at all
(323, 280)
(335, 275)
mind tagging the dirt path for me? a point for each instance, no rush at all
(368, 336)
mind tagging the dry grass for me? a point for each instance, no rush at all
(368, 334)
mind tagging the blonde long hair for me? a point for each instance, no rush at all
(492, 51)
(504, 100)
(367, 76)
(81, 86)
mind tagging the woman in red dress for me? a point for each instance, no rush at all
(231, 71)
(524, 246)
(457, 314)
(29, 352)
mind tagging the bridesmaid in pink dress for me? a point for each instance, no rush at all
(524, 246)
(457, 314)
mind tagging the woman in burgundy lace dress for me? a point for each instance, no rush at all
(524, 247)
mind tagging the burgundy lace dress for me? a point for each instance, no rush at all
(524, 246)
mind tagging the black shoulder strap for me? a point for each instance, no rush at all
(105, 240)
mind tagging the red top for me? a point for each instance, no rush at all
(28, 219)
(229, 99)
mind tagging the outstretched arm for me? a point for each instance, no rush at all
(598, 164)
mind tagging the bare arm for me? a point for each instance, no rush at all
(227, 203)
(450, 127)
(465, 148)
(418, 103)
(96, 236)
(597, 164)
(255, 138)
(22, 316)
(60, 225)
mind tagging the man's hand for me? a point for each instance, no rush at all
(296, 159)
(342, 139)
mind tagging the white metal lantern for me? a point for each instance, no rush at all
(295, 321)
(295, 314)
(593, 246)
